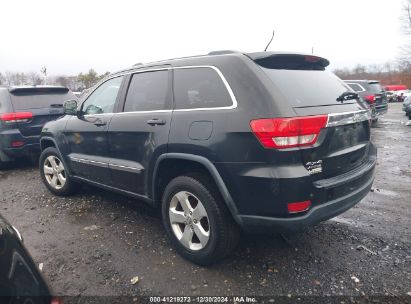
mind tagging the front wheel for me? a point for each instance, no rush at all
(197, 221)
(54, 174)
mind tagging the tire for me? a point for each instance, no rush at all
(374, 122)
(223, 232)
(54, 175)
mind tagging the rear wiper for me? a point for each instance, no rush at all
(347, 96)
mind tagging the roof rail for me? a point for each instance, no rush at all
(222, 52)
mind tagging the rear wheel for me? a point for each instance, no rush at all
(54, 173)
(197, 221)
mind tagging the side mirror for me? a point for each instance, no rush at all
(70, 107)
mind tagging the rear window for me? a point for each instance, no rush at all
(197, 88)
(4, 103)
(305, 88)
(36, 100)
(356, 87)
(374, 87)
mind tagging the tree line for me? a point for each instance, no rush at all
(398, 72)
(388, 73)
(75, 83)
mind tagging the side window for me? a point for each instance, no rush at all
(102, 100)
(148, 91)
(356, 87)
(199, 88)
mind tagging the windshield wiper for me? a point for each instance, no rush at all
(347, 96)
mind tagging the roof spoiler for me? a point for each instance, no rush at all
(38, 89)
(272, 60)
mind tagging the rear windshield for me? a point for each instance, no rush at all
(374, 87)
(4, 102)
(36, 100)
(308, 88)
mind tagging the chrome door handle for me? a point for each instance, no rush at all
(156, 122)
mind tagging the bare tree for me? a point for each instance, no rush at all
(2, 79)
(405, 50)
(407, 16)
(34, 78)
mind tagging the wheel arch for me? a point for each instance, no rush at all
(47, 142)
(198, 164)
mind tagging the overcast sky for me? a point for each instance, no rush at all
(73, 36)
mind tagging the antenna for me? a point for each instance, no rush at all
(272, 37)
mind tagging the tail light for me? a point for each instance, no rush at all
(56, 300)
(17, 143)
(298, 206)
(283, 133)
(370, 99)
(16, 117)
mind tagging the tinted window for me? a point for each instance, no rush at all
(148, 92)
(38, 99)
(308, 88)
(374, 87)
(102, 100)
(199, 88)
(356, 87)
(4, 104)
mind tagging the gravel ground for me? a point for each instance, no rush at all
(95, 242)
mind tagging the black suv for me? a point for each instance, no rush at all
(23, 113)
(258, 141)
(372, 92)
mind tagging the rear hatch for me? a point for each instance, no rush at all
(44, 104)
(380, 97)
(336, 132)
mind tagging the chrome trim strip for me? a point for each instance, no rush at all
(102, 114)
(227, 86)
(125, 168)
(217, 70)
(144, 112)
(345, 118)
(17, 233)
(88, 162)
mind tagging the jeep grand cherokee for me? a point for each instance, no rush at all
(259, 141)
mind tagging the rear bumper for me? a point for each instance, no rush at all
(323, 212)
(263, 202)
(381, 109)
(8, 153)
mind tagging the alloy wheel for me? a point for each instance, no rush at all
(189, 220)
(54, 172)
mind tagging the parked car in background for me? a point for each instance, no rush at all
(23, 112)
(372, 92)
(263, 141)
(391, 97)
(395, 87)
(407, 101)
(402, 94)
(408, 110)
(77, 94)
(20, 279)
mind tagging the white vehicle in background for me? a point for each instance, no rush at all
(402, 94)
